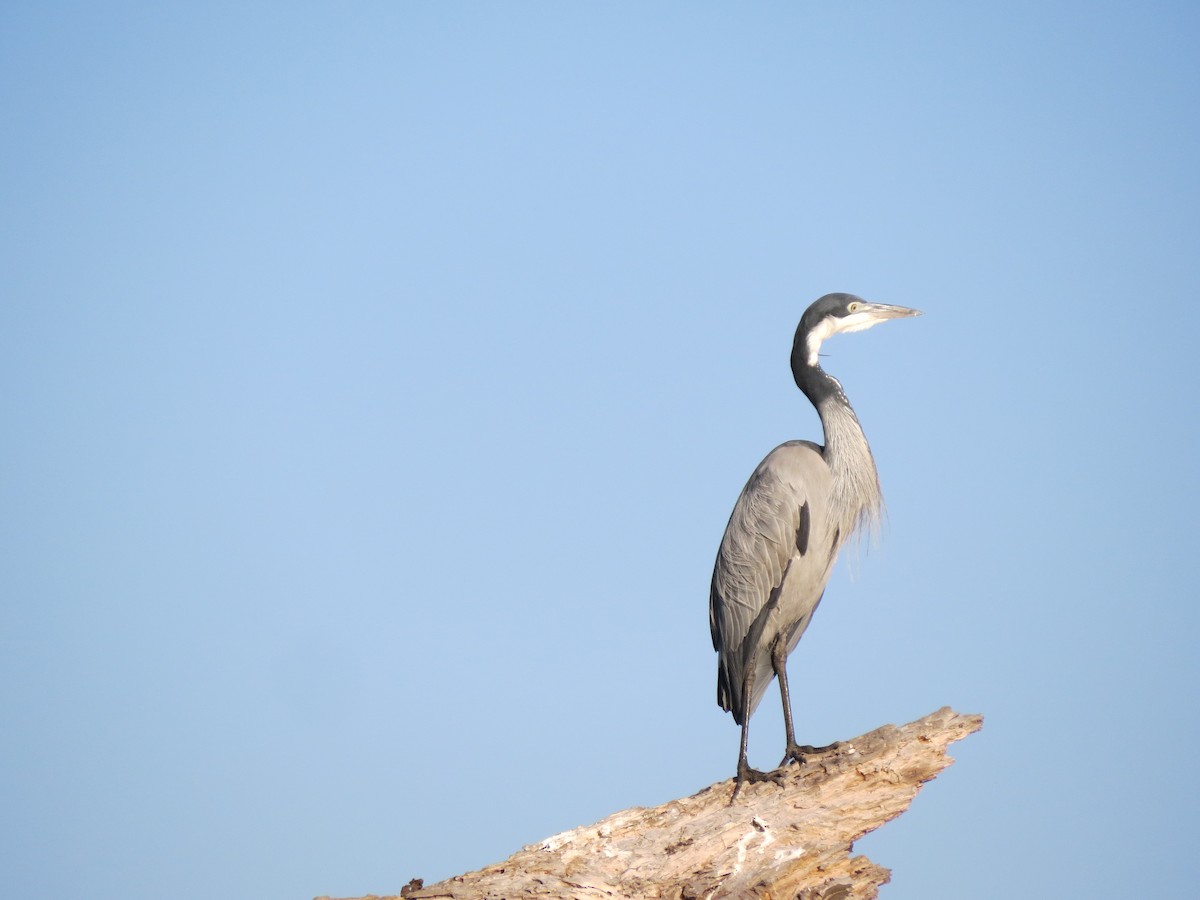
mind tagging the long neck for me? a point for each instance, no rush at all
(856, 500)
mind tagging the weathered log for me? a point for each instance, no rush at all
(792, 840)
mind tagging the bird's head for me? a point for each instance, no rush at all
(839, 314)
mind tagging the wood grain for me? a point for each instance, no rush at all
(793, 840)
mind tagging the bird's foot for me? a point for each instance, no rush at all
(798, 753)
(746, 774)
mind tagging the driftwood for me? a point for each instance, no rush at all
(793, 840)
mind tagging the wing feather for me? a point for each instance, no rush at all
(769, 528)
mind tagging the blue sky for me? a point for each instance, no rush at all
(377, 381)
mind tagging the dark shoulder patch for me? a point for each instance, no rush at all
(802, 531)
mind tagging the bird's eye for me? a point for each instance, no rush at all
(852, 307)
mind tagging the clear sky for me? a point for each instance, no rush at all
(377, 380)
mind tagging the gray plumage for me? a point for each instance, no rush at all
(800, 506)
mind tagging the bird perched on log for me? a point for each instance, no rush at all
(798, 509)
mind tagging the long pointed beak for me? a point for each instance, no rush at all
(885, 311)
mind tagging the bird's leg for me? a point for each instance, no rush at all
(744, 772)
(794, 751)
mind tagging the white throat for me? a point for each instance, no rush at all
(812, 343)
(831, 325)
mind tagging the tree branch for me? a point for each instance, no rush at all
(789, 840)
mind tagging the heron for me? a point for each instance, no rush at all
(798, 509)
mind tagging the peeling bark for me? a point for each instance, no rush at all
(793, 840)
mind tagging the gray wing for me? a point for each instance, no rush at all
(770, 560)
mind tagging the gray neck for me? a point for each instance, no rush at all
(857, 499)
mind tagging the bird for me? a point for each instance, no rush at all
(800, 506)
